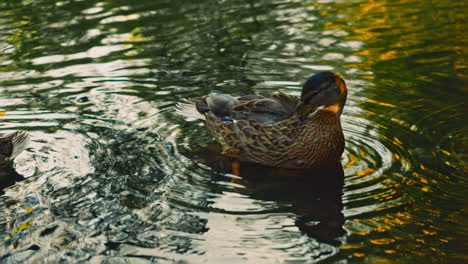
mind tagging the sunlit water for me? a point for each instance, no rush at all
(113, 174)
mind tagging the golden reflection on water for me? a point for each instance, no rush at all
(372, 22)
(375, 17)
(385, 48)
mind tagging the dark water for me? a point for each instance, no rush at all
(114, 175)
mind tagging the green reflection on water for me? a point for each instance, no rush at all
(109, 72)
(418, 66)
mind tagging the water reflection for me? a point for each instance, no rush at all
(110, 172)
(313, 195)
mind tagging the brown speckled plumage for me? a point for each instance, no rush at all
(292, 143)
(280, 130)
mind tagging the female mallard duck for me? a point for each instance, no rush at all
(280, 130)
(12, 145)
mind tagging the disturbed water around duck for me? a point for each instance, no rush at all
(113, 174)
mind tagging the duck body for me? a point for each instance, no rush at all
(280, 130)
(11, 146)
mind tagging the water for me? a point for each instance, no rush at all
(113, 174)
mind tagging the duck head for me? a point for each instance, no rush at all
(325, 89)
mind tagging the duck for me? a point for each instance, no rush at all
(277, 129)
(11, 146)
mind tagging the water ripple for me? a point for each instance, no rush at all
(113, 174)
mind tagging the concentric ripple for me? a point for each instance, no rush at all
(114, 174)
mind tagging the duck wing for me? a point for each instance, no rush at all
(12, 145)
(218, 103)
(264, 108)
(254, 141)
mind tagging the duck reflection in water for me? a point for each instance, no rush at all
(10, 147)
(313, 195)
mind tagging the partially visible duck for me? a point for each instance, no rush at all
(280, 130)
(11, 146)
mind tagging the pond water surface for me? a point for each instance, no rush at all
(113, 174)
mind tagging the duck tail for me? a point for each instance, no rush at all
(13, 144)
(188, 108)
